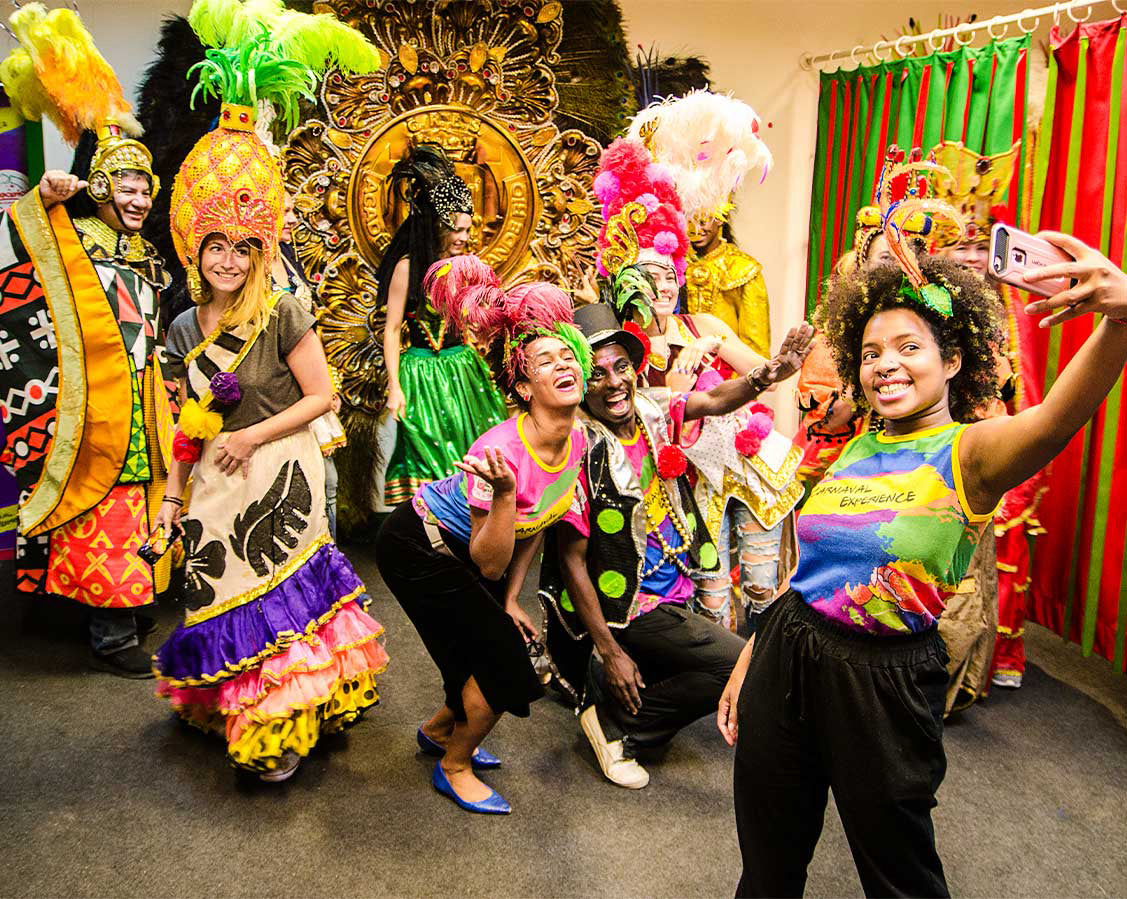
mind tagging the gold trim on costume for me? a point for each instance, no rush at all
(243, 598)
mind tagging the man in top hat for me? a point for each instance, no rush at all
(617, 571)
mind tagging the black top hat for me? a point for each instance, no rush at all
(600, 326)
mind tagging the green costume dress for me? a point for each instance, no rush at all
(451, 401)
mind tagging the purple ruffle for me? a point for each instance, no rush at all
(216, 647)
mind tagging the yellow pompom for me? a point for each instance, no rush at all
(199, 422)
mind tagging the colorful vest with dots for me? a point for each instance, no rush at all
(616, 548)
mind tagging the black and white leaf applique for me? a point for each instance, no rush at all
(268, 529)
(200, 564)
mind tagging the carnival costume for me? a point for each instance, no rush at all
(423, 549)
(451, 399)
(746, 484)
(88, 420)
(709, 142)
(274, 649)
(977, 187)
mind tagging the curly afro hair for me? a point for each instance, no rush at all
(974, 328)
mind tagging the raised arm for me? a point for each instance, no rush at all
(1001, 453)
(730, 395)
(728, 346)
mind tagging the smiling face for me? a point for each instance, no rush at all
(667, 288)
(132, 200)
(553, 379)
(973, 255)
(456, 239)
(903, 374)
(702, 234)
(610, 390)
(224, 265)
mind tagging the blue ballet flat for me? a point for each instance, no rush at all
(481, 760)
(494, 804)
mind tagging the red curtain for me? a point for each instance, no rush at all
(1079, 584)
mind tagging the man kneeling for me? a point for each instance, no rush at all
(618, 573)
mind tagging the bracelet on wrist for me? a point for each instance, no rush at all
(757, 378)
(172, 499)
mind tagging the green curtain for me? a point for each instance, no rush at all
(976, 95)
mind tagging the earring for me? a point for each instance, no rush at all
(195, 289)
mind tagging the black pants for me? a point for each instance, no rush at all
(824, 708)
(459, 616)
(685, 661)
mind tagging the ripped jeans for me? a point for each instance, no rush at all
(759, 568)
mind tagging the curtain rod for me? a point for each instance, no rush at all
(963, 34)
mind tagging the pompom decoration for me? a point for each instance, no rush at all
(606, 187)
(225, 388)
(650, 201)
(199, 422)
(186, 449)
(671, 462)
(759, 425)
(665, 242)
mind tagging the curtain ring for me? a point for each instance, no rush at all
(990, 30)
(1087, 16)
(877, 48)
(1021, 22)
(931, 46)
(900, 50)
(1115, 6)
(853, 55)
(969, 28)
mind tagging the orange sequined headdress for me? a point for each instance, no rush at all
(58, 72)
(230, 183)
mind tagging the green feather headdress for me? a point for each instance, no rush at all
(260, 50)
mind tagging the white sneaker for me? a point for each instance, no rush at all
(1010, 679)
(618, 770)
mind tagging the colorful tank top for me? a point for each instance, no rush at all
(886, 536)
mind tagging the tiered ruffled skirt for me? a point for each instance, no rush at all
(273, 667)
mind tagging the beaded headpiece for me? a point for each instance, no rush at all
(450, 197)
(57, 71)
(709, 142)
(641, 211)
(230, 183)
(976, 186)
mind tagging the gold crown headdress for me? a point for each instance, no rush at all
(976, 186)
(57, 71)
(230, 183)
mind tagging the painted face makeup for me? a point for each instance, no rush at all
(611, 388)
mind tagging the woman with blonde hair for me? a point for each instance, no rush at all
(275, 649)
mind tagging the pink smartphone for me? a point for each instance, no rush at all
(1013, 251)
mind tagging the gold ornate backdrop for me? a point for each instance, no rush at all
(475, 76)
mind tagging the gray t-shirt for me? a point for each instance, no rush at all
(268, 386)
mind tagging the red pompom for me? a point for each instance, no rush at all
(756, 408)
(186, 449)
(632, 328)
(748, 443)
(999, 212)
(671, 462)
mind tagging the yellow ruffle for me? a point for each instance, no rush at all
(261, 745)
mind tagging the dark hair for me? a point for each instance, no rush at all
(82, 205)
(419, 238)
(974, 328)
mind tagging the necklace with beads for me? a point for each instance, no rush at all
(666, 506)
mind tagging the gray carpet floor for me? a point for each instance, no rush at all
(105, 794)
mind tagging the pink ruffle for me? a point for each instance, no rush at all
(303, 674)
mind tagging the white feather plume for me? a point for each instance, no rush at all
(710, 142)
